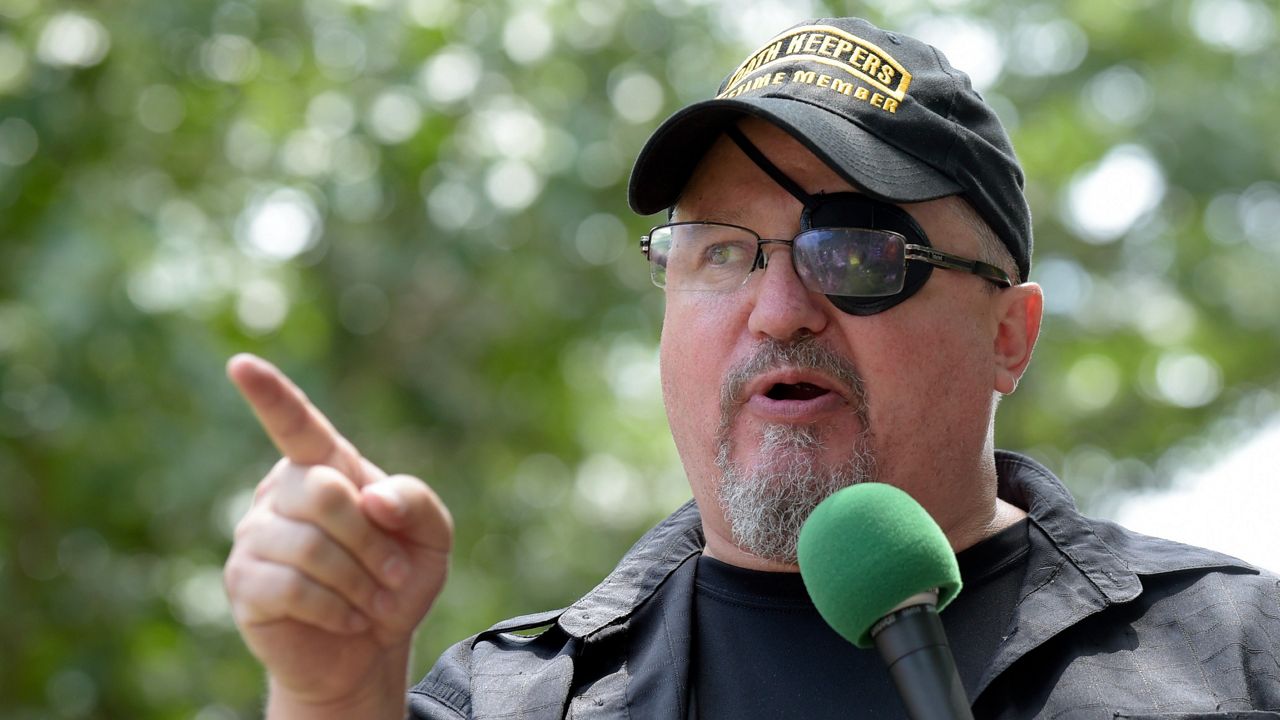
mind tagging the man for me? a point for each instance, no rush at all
(843, 269)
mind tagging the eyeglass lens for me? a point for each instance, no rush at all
(833, 261)
(851, 261)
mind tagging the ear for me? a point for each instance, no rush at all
(1018, 311)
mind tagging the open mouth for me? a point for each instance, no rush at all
(795, 391)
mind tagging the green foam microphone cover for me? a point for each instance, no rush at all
(867, 548)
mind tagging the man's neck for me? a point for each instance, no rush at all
(968, 534)
(721, 547)
(979, 527)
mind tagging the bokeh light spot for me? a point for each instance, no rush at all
(1259, 211)
(507, 128)
(200, 599)
(599, 165)
(1187, 379)
(968, 43)
(1048, 48)
(741, 22)
(607, 491)
(340, 52)
(360, 201)
(1222, 219)
(512, 185)
(248, 146)
(1160, 313)
(279, 225)
(1242, 26)
(527, 37)
(161, 108)
(262, 306)
(230, 59)
(332, 113)
(631, 369)
(1092, 383)
(1119, 96)
(541, 481)
(394, 116)
(451, 74)
(307, 152)
(18, 142)
(1104, 201)
(451, 205)
(354, 160)
(636, 96)
(1066, 285)
(601, 238)
(70, 39)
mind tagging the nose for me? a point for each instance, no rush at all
(782, 307)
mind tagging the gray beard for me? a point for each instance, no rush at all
(766, 504)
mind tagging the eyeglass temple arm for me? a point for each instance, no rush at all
(937, 258)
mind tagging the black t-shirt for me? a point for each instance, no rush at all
(761, 650)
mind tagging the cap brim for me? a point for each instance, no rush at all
(867, 162)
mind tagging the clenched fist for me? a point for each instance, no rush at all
(335, 563)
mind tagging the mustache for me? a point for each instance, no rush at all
(805, 353)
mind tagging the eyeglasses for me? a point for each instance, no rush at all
(854, 248)
(845, 262)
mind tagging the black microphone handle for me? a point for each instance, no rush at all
(914, 647)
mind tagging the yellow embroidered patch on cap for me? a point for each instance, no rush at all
(851, 57)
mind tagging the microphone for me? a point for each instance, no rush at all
(879, 569)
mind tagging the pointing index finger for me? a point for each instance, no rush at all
(299, 431)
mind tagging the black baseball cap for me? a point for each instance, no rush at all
(886, 111)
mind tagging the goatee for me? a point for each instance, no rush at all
(767, 503)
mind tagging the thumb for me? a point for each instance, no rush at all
(407, 507)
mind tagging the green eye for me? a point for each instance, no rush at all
(724, 254)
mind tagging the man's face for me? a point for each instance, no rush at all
(776, 398)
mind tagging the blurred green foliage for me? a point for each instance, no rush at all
(416, 207)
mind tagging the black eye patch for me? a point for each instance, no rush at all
(850, 210)
(855, 210)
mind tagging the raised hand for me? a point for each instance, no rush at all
(335, 563)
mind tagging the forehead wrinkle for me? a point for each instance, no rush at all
(739, 214)
(732, 216)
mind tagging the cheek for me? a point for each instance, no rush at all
(697, 342)
(689, 394)
(926, 375)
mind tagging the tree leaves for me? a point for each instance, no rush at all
(417, 208)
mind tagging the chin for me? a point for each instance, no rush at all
(766, 497)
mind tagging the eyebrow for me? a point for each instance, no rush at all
(731, 216)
